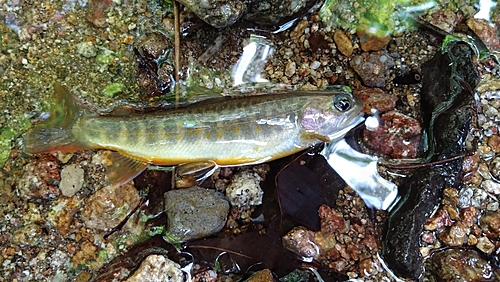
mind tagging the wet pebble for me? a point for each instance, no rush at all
(86, 49)
(490, 225)
(301, 242)
(450, 265)
(450, 197)
(41, 178)
(444, 19)
(331, 220)
(397, 136)
(195, 212)
(371, 67)
(97, 13)
(154, 45)
(62, 213)
(372, 41)
(468, 216)
(485, 245)
(217, 13)
(440, 220)
(28, 235)
(494, 168)
(491, 186)
(428, 237)
(72, 178)
(344, 44)
(109, 206)
(290, 68)
(244, 189)
(264, 275)
(454, 236)
(157, 268)
(465, 197)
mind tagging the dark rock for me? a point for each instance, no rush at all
(447, 106)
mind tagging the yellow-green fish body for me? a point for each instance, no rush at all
(226, 131)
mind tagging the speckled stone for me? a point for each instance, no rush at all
(109, 206)
(490, 224)
(195, 212)
(72, 177)
(29, 235)
(371, 66)
(301, 242)
(244, 189)
(157, 268)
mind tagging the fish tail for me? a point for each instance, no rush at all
(55, 132)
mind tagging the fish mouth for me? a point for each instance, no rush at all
(351, 122)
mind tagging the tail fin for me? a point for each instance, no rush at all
(55, 132)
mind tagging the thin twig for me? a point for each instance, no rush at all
(177, 49)
(220, 249)
(414, 166)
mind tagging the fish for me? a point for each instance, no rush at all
(224, 131)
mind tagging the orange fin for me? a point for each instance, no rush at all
(120, 169)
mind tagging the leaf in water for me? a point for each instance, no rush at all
(299, 194)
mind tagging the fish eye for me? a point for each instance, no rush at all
(342, 103)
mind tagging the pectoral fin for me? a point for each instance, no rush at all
(311, 136)
(120, 169)
(197, 171)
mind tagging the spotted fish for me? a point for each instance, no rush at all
(227, 131)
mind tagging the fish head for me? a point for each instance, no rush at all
(332, 116)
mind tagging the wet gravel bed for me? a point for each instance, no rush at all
(56, 214)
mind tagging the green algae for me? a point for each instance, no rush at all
(113, 88)
(8, 134)
(6, 137)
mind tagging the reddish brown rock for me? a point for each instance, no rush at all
(96, 12)
(367, 268)
(428, 237)
(301, 242)
(468, 216)
(490, 225)
(494, 143)
(331, 220)
(370, 242)
(444, 19)
(109, 206)
(397, 136)
(375, 98)
(41, 178)
(487, 32)
(440, 220)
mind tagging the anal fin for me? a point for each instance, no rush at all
(120, 169)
